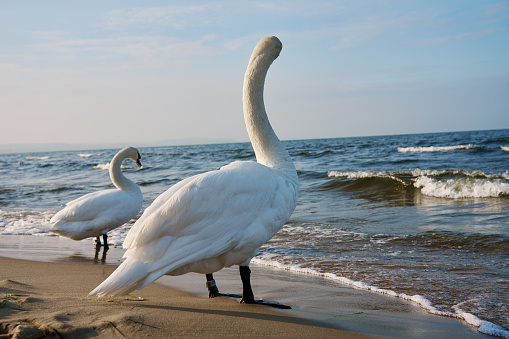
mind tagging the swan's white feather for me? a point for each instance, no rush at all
(95, 214)
(204, 223)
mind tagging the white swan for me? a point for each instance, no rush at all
(94, 214)
(219, 218)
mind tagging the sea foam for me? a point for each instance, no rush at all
(39, 158)
(434, 148)
(461, 188)
(363, 175)
(483, 326)
(87, 155)
(106, 166)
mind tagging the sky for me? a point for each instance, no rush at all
(169, 72)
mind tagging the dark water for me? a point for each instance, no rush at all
(423, 217)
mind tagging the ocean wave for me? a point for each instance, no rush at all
(25, 223)
(314, 155)
(461, 188)
(471, 242)
(87, 155)
(102, 166)
(39, 158)
(483, 326)
(459, 173)
(434, 148)
(417, 173)
(452, 184)
(366, 175)
(106, 167)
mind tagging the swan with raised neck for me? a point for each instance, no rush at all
(269, 150)
(218, 218)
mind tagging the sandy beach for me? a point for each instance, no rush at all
(50, 298)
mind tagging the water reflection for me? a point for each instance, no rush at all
(81, 257)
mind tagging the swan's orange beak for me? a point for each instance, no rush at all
(138, 162)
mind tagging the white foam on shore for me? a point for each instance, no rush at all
(434, 148)
(483, 326)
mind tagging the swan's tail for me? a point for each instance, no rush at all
(128, 277)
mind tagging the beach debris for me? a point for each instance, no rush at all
(115, 327)
(7, 304)
(134, 298)
(141, 323)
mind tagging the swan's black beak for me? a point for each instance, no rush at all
(138, 161)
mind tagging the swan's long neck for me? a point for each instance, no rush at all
(118, 179)
(268, 148)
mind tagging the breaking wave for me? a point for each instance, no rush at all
(39, 158)
(453, 184)
(434, 148)
(87, 155)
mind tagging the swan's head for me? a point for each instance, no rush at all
(133, 154)
(270, 46)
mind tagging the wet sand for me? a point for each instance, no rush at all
(50, 296)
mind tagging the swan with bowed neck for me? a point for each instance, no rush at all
(94, 214)
(219, 218)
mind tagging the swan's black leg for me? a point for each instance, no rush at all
(247, 291)
(211, 285)
(98, 241)
(105, 241)
(214, 291)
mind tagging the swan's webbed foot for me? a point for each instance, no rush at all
(247, 293)
(211, 286)
(266, 303)
(247, 296)
(214, 291)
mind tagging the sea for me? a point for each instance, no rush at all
(421, 217)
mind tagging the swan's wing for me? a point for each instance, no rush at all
(108, 205)
(222, 204)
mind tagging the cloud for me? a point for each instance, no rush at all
(446, 39)
(178, 17)
(144, 50)
(214, 12)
